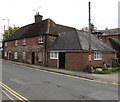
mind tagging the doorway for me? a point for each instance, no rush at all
(62, 60)
(33, 57)
(9, 55)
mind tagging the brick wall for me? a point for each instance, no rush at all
(73, 61)
(78, 60)
(51, 62)
(32, 45)
(106, 41)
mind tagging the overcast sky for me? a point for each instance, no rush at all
(74, 13)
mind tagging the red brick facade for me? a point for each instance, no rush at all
(73, 60)
(106, 41)
(78, 60)
(32, 46)
(52, 62)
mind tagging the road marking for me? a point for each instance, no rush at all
(7, 95)
(12, 92)
(64, 74)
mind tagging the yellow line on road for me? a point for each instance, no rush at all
(66, 75)
(12, 92)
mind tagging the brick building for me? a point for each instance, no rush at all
(70, 51)
(30, 43)
(49, 44)
(105, 34)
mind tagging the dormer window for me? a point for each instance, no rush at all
(41, 39)
(24, 41)
(16, 42)
(5, 44)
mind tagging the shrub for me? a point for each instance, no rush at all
(107, 72)
(86, 69)
(99, 66)
(99, 72)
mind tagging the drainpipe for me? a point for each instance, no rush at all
(47, 32)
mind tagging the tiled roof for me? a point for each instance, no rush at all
(35, 29)
(115, 31)
(78, 41)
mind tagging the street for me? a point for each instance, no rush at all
(43, 85)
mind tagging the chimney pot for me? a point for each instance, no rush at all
(38, 17)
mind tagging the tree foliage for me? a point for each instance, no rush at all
(116, 45)
(9, 32)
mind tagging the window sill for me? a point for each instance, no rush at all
(97, 59)
(40, 42)
(53, 58)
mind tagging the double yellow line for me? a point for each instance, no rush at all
(12, 92)
(97, 81)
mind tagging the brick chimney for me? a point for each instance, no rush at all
(38, 18)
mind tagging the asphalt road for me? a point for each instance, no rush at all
(39, 85)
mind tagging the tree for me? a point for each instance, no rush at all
(9, 32)
(116, 45)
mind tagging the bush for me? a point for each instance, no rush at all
(99, 66)
(108, 71)
(99, 72)
(115, 69)
(86, 69)
(114, 63)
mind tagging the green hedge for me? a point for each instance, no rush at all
(108, 71)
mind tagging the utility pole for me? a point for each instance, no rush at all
(89, 4)
(8, 27)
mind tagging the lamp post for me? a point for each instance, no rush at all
(8, 24)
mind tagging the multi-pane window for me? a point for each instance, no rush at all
(5, 54)
(24, 55)
(24, 41)
(15, 55)
(5, 44)
(41, 39)
(16, 42)
(97, 56)
(53, 55)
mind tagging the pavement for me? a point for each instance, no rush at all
(110, 78)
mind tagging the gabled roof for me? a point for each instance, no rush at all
(78, 41)
(35, 29)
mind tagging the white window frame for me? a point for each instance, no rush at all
(24, 41)
(97, 55)
(15, 55)
(5, 44)
(41, 39)
(53, 55)
(5, 54)
(16, 42)
(24, 55)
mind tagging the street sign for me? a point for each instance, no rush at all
(89, 57)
